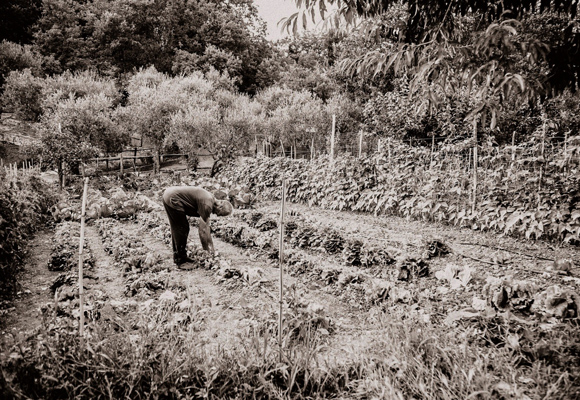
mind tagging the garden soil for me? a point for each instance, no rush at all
(229, 309)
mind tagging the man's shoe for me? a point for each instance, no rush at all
(187, 266)
(185, 260)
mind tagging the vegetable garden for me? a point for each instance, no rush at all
(403, 300)
(425, 245)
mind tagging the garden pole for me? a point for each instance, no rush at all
(312, 149)
(432, 147)
(513, 146)
(541, 162)
(474, 167)
(360, 144)
(566, 154)
(81, 305)
(283, 151)
(332, 136)
(63, 176)
(281, 260)
(121, 163)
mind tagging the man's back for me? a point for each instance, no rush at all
(193, 201)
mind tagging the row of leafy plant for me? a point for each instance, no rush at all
(303, 234)
(534, 197)
(25, 202)
(359, 288)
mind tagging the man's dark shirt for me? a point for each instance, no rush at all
(193, 201)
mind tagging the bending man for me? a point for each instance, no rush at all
(183, 201)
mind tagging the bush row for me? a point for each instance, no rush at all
(534, 197)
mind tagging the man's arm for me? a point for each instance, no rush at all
(205, 235)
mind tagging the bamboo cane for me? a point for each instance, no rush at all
(81, 290)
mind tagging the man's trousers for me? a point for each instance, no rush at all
(179, 232)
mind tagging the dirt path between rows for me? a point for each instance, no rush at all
(110, 279)
(34, 280)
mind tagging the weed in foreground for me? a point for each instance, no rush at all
(154, 355)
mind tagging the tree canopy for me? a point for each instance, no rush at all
(120, 36)
(503, 50)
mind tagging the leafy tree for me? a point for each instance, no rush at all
(217, 119)
(23, 94)
(152, 103)
(77, 129)
(293, 117)
(498, 49)
(175, 36)
(29, 96)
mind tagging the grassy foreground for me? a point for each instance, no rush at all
(152, 354)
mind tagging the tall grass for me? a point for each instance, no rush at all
(151, 355)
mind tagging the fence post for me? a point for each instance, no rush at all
(121, 163)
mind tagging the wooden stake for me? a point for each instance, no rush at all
(432, 148)
(469, 161)
(332, 137)
(542, 162)
(281, 261)
(474, 168)
(513, 146)
(360, 140)
(121, 163)
(81, 290)
(312, 149)
(283, 151)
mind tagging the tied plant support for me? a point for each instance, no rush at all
(406, 183)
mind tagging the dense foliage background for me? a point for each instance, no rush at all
(393, 69)
(186, 74)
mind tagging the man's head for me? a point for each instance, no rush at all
(222, 208)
